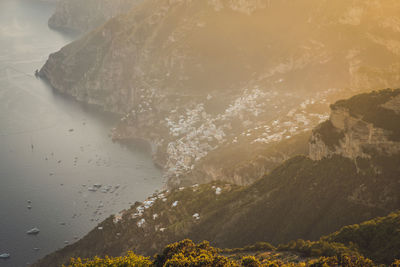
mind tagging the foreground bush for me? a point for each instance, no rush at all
(125, 261)
(188, 254)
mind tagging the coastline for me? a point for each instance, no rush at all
(144, 144)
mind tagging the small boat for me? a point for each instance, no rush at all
(92, 189)
(5, 256)
(33, 231)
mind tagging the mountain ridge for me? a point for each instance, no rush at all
(191, 78)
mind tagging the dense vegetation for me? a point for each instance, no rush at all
(183, 253)
(188, 254)
(130, 259)
(379, 238)
(368, 106)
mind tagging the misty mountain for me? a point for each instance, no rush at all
(192, 77)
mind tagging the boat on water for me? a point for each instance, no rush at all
(33, 231)
(5, 256)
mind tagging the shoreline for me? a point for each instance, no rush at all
(146, 145)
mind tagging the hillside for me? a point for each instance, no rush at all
(193, 77)
(349, 247)
(378, 239)
(82, 16)
(302, 198)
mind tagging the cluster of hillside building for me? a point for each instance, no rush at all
(194, 132)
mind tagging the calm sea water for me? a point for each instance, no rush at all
(53, 149)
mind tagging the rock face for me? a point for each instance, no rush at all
(194, 77)
(352, 132)
(81, 16)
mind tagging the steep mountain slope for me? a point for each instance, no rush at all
(81, 16)
(195, 76)
(302, 198)
(378, 239)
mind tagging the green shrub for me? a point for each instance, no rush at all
(130, 260)
(250, 261)
(187, 253)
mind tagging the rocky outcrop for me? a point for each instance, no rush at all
(82, 16)
(353, 135)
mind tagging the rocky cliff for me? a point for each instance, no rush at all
(354, 130)
(82, 16)
(193, 77)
